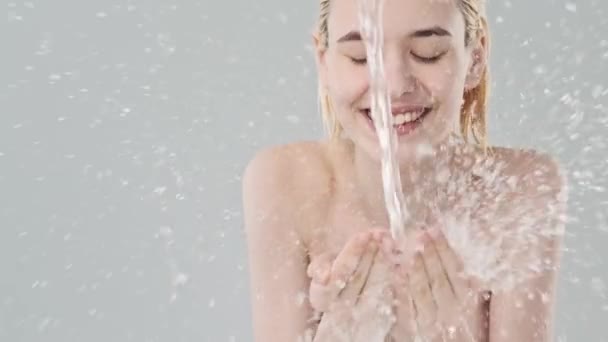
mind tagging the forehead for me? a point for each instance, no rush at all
(400, 17)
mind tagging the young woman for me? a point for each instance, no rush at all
(480, 264)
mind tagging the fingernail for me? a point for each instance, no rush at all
(419, 245)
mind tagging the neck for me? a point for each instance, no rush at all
(418, 184)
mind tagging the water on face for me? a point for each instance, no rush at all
(370, 18)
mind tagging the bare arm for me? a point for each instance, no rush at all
(526, 313)
(277, 256)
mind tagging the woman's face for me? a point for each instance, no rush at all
(427, 68)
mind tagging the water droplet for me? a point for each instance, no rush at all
(598, 286)
(165, 231)
(180, 279)
(597, 91)
(293, 119)
(282, 18)
(451, 331)
(571, 7)
(300, 298)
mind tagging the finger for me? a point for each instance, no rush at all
(419, 326)
(319, 269)
(319, 293)
(377, 289)
(413, 244)
(424, 303)
(323, 293)
(376, 298)
(355, 284)
(346, 262)
(404, 307)
(452, 264)
(321, 296)
(385, 241)
(442, 289)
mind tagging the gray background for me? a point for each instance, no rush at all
(126, 126)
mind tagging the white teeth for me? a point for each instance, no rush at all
(402, 118)
(399, 119)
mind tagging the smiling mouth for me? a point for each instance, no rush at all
(403, 117)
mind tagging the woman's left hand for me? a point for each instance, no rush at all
(431, 288)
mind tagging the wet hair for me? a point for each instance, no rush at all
(474, 106)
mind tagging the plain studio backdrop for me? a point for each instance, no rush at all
(126, 126)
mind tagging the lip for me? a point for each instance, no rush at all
(406, 128)
(404, 108)
(397, 109)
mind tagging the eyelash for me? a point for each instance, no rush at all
(358, 61)
(425, 60)
(428, 60)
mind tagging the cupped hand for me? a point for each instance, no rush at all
(353, 289)
(432, 291)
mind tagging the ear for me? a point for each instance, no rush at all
(320, 56)
(478, 64)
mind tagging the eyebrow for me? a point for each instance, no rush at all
(433, 31)
(428, 32)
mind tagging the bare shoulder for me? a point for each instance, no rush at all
(538, 194)
(536, 171)
(291, 180)
(295, 168)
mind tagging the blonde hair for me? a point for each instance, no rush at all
(475, 101)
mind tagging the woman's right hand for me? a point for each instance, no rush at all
(353, 290)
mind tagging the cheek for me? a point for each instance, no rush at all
(347, 82)
(445, 81)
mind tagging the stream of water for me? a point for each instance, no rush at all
(370, 18)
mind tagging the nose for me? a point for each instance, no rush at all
(399, 78)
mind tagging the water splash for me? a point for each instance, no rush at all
(501, 257)
(370, 19)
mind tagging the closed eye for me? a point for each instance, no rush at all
(428, 60)
(358, 61)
